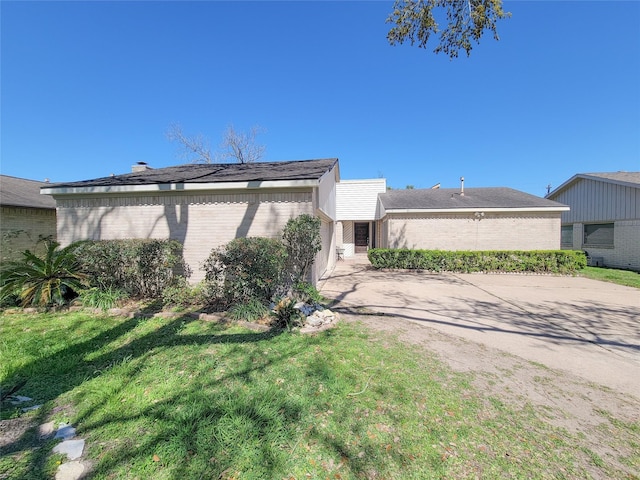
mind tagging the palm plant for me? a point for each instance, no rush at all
(43, 281)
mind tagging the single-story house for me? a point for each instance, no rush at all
(201, 205)
(206, 205)
(25, 216)
(469, 219)
(604, 219)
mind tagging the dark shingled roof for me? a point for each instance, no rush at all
(450, 198)
(20, 192)
(216, 173)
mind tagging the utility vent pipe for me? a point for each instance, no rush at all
(462, 186)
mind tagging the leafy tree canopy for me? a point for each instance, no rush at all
(466, 21)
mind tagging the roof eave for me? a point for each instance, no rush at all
(179, 186)
(560, 208)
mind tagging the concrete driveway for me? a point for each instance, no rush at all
(587, 327)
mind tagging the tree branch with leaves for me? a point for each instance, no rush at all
(416, 21)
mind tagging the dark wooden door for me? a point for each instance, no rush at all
(361, 237)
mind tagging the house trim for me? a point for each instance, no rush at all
(477, 209)
(167, 187)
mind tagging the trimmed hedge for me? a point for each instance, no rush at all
(139, 267)
(536, 261)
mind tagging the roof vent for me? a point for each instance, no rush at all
(140, 167)
(462, 186)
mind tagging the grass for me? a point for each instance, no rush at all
(186, 399)
(621, 277)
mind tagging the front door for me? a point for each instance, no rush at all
(362, 237)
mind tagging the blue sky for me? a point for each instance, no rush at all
(90, 88)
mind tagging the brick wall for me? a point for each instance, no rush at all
(200, 222)
(494, 231)
(625, 252)
(21, 228)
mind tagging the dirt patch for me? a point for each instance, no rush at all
(14, 429)
(599, 419)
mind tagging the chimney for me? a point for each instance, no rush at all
(140, 167)
(462, 186)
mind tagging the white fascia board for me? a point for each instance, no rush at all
(179, 187)
(478, 209)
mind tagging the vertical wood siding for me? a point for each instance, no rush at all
(594, 201)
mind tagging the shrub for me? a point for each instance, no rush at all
(539, 261)
(52, 279)
(301, 237)
(181, 294)
(251, 310)
(285, 315)
(141, 268)
(246, 268)
(103, 299)
(305, 292)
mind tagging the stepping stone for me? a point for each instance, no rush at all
(16, 399)
(29, 409)
(65, 432)
(70, 471)
(71, 448)
(46, 429)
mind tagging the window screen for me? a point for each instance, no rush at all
(599, 234)
(566, 236)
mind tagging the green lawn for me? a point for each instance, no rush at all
(621, 277)
(187, 399)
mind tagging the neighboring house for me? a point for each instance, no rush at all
(25, 216)
(604, 219)
(469, 219)
(357, 212)
(201, 205)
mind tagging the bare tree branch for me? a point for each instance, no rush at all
(194, 149)
(241, 146)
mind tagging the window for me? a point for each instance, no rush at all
(598, 235)
(566, 236)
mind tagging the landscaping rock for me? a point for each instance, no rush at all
(46, 429)
(29, 409)
(70, 471)
(17, 399)
(71, 448)
(65, 431)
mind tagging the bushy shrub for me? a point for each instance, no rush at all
(183, 295)
(141, 268)
(301, 237)
(51, 279)
(539, 261)
(246, 268)
(305, 292)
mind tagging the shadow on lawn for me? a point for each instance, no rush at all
(46, 387)
(200, 430)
